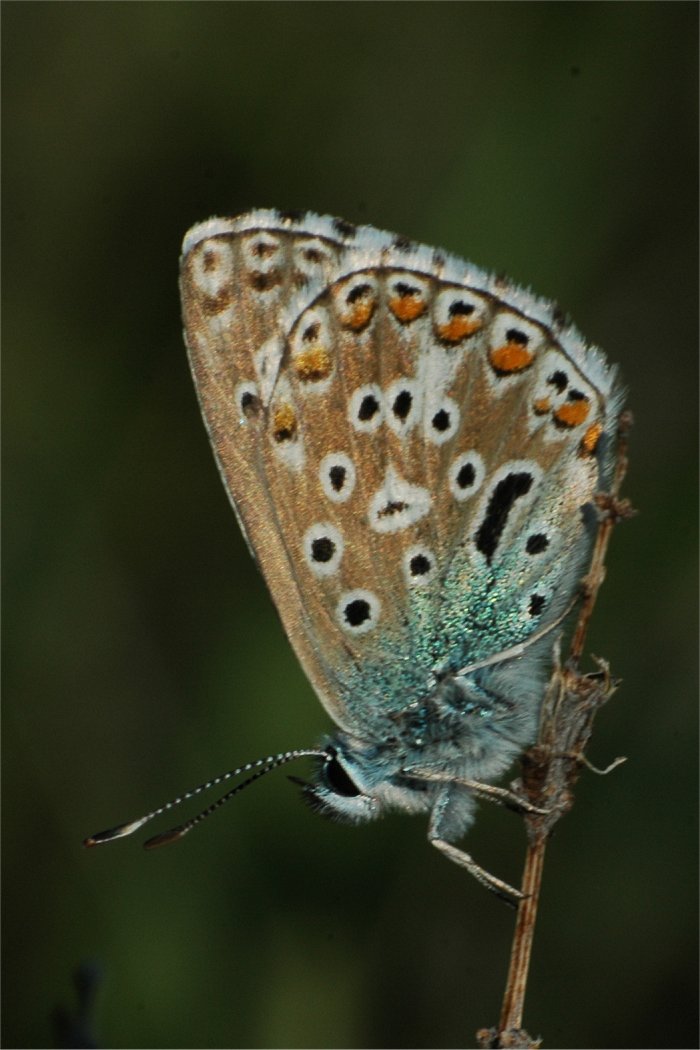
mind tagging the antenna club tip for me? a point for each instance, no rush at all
(102, 836)
(166, 837)
(113, 833)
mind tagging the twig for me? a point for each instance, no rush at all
(552, 766)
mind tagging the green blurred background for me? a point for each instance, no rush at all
(555, 142)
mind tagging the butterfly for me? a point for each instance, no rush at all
(412, 448)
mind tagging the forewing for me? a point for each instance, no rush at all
(409, 446)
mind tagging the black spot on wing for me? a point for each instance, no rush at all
(504, 496)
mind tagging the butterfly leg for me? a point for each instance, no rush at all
(451, 816)
(503, 796)
(487, 792)
(502, 889)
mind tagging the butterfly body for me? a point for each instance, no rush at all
(412, 448)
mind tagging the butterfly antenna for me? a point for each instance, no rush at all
(261, 766)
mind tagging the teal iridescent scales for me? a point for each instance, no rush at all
(412, 448)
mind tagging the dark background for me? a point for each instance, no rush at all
(555, 142)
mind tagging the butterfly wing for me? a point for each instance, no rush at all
(409, 445)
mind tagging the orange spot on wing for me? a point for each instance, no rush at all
(590, 439)
(511, 357)
(571, 413)
(542, 405)
(359, 315)
(312, 364)
(407, 307)
(284, 423)
(457, 328)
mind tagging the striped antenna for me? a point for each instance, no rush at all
(261, 767)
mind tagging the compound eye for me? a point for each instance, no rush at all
(338, 781)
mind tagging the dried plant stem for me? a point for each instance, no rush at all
(551, 766)
(514, 998)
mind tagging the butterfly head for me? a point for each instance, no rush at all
(354, 784)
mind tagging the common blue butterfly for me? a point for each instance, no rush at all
(412, 448)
